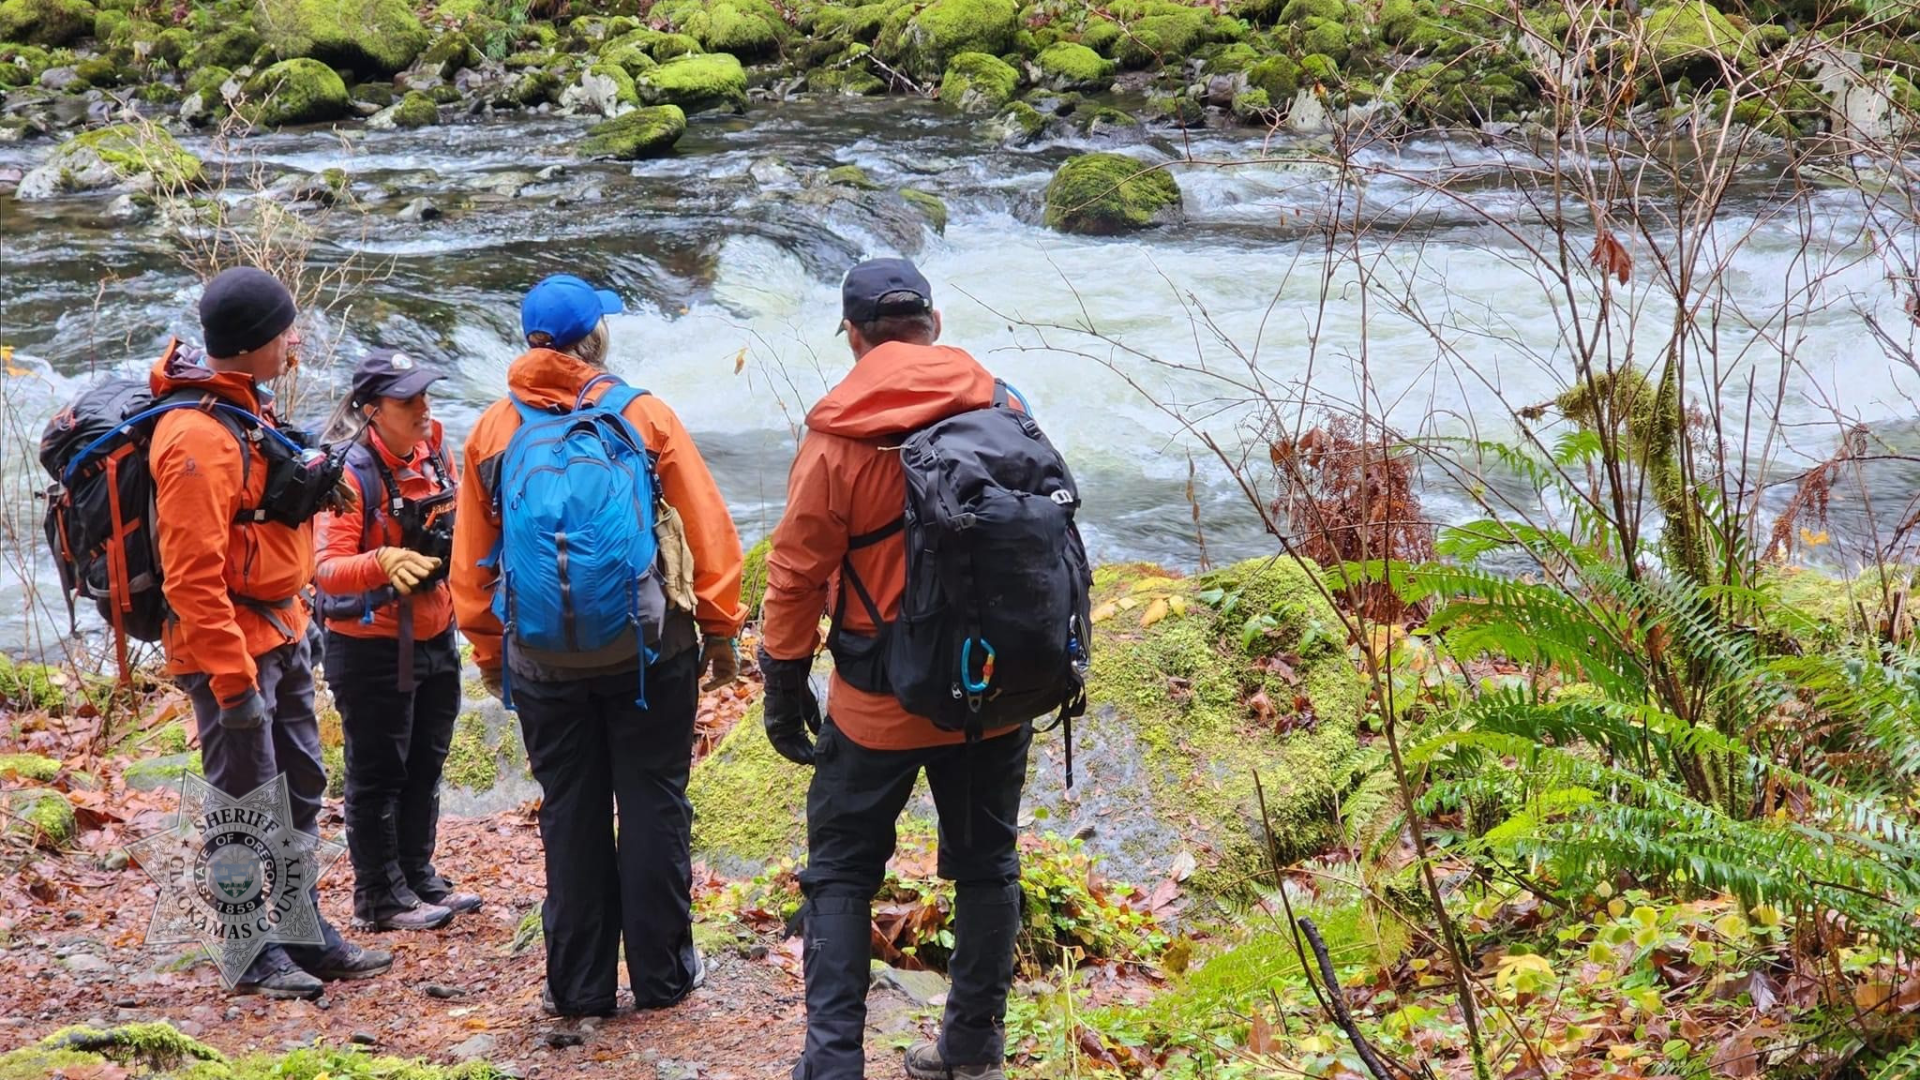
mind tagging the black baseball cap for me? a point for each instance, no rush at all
(880, 287)
(388, 373)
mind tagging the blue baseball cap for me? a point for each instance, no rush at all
(566, 309)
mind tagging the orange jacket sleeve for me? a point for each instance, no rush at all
(341, 567)
(197, 483)
(808, 545)
(688, 487)
(475, 533)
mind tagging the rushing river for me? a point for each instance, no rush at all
(718, 250)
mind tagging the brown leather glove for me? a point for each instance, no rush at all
(405, 569)
(720, 657)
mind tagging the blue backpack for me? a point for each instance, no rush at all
(576, 496)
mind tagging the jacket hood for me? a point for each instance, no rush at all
(899, 387)
(184, 368)
(546, 379)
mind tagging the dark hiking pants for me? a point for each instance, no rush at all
(594, 750)
(855, 798)
(237, 761)
(396, 747)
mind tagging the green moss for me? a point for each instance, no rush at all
(933, 207)
(110, 27)
(232, 47)
(1109, 193)
(46, 816)
(128, 151)
(749, 802)
(695, 82)
(624, 90)
(1695, 33)
(648, 132)
(151, 773)
(33, 686)
(52, 23)
(946, 28)
(1277, 76)
(1107, 119)
(1320, 68)
(748, 28)
(1301, 12)
(852, 176)
(1068, 65)
(333, 761)
(373, 93)
(1398, 20)
(449, 56)
(1326, 37)
(1252, 105)
(367, 36)
(156, 1045)
(976, 82)
(32, 767)
(39, 1063)
(529, 932)
(1021, 122)
(753, 569)
(631, 60)
(660, 46)
(98, 71)
(416, 110)
(472, 761)
(1102, 35)
(534, 87)
(299, 91)
(1161, 31)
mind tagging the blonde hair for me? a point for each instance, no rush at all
(591, 350)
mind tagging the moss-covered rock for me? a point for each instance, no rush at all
(1276, 76)
(44, 816)
(976, 82)
(534, 87)
(31, 686)
(848, 72)
(753, 569)
(1163, 31)
(232, 47)
(171, 47)
(1695, 33)
(746, 28)
(1020, 122)
(51, 23)
(648, 132)
(631, 60)
(749, 803)
(935, 209)
(416, 110)
(946, 28)
(661, 46)
(1068, 65)
(157, 1049)
(153, 773)
(378, 94)
(1326, 37)
(124, 154)
(98, 71)
(32, 767)
(695, 82)
(1109, 193)
(369, 37)
(852, 176)
(1252, 105)
(450, 55)
(473, 762)
(299, 91)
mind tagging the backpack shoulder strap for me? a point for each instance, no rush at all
(1005, 392)
(619, 396)
(373, 488)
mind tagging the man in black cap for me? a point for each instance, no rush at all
(843, 518)
(238, 641)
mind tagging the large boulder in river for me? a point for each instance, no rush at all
(696, 82)
(978, 83)
(368, 37)
(944, 29)
(1069, 65)
(642, 133)
(1197, 685)
(297, 91)
(122, 156)
(45, 22)
(1104, 194)
(749, 28)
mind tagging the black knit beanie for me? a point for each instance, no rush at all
(243, 309)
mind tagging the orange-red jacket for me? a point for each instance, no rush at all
(544, 379)
(207, 558)
(847, 481)
(346, 565)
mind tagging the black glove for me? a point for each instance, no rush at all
(246, 713)
(792, 712)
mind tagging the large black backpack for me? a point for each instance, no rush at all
(993, 628)
(100, 507)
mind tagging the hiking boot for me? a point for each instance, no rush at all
(354, 962)
(925, 1063)
(459, 903)
(281, 979)
(420, 916)
(547, 1006)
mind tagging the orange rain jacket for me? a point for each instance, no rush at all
(209, 571)
(847, 481)
(346, 567)
(544, 378)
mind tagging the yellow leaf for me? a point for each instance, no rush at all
(1813, 539)
(740, 361)
(1766, 915)
(1622, 1051)
(1155, 612)
(1616, 907)
(1105, 611)
(1178, 604)
(1127, 603)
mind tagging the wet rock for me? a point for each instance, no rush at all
(923, 988)
(297, 91)
(10, 176)
(479, 1046)
(678, 1070)
(416, 110)
(442, 991)
(59, 78)
(364, 1038)
(946, 28)
(41, 816)
(1066, 65)
(695, 83)
(605, 89)
(1110, 193)
(978, 83)
(771, 172)
(550, 173)
(647, 132)
(87, 964)
(560, 1040)
(419, 210)
(127, 209)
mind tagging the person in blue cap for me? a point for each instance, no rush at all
(596, 572)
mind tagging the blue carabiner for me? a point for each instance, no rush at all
(966, 666)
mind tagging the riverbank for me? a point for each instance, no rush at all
(1785, 71)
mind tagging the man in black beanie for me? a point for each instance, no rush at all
(237, 641)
